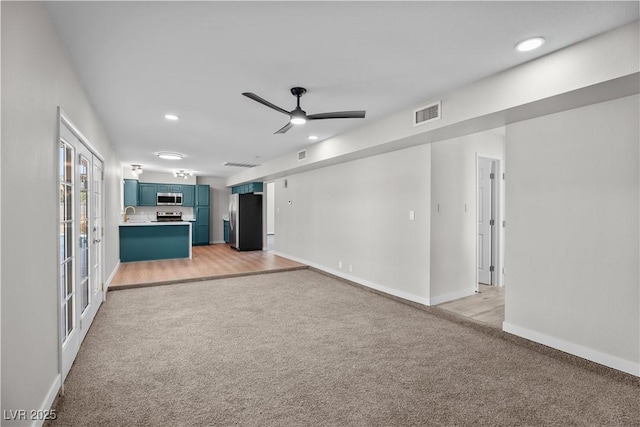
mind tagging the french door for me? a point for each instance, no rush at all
(81, 247)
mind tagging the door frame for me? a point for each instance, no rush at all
(498, 231)
(63, 120)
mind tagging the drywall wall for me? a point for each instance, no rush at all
(572, 238)
(454, 213)
(37, 78)
(353, 220)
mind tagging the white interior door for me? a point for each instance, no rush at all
(485, 205)
(81, 243)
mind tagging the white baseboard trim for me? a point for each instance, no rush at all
(358, 280)
(217, 242)
(49, 399)
(111, 276)
(450, 297)
(614, 362)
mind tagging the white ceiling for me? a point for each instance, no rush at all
(141, 60)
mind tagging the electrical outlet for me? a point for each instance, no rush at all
(412, 215)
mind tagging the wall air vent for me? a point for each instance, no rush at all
(239, 165)
(427, 114)
(302, 155)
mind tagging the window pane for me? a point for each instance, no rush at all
(84, 254)
(68, 240)
(68, 210)
(85, 294)
(69, 277)
(68, 164)
(69, 316)
(61, 159)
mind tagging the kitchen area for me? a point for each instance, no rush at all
(172, 224)
(163, 219)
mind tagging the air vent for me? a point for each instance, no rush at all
(426, 114)
(239, 165)
(302, 155)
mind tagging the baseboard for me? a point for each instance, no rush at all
(111, 276)
(575, 349)
(450, 297)
(217, 242)
(366, 283)
(47, 404)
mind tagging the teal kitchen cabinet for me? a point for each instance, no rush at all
(252, 187)
(201, 213)
(169, 188)
(226, 230)
(188, 195)
(148, 194)
(202, 195)
(131, 192)
(144, 242)
(202, 225)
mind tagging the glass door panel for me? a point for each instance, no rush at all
(85, 166)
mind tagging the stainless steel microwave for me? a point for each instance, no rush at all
(169, 199)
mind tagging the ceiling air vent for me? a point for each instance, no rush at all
(302, 155)
(426, 114)
(239, 165)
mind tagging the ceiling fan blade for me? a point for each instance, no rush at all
(338, 115)
(284, 128)
(265, 102)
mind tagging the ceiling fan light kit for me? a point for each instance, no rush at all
(298, 116)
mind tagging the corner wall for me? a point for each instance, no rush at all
(454, 214)
(572, 232)
(37, 77)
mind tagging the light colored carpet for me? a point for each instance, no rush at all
(303, 349)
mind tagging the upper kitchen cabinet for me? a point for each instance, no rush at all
(251, 187)
(170, 188)
(148, 194)
(202, 195)
(188, 195)
(131, 192)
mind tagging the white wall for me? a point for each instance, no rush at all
(358, 213)
(453, 228)
(37, 77)
(572, 232)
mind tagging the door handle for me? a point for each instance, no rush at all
(97, 241)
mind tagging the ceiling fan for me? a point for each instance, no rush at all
(298, 116)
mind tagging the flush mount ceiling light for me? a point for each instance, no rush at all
(312, 137)
(171, 117)
(136, 170)
(170, 156)
(182, 174)
(530, 44)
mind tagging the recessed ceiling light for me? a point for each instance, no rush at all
(312, 137)
(170, 156)
(171, 117)
(530, 44)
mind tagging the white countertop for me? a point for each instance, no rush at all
(137, 223)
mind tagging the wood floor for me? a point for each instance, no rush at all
(208, 262)
(486, 306)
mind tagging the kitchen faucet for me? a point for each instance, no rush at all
(126, 218)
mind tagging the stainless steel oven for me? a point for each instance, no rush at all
(169, 199)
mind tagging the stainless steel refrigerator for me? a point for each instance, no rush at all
(245, 222)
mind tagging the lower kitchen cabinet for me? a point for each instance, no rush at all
(226, 231)
(201, 225)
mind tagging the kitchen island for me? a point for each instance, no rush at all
(150, 240)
